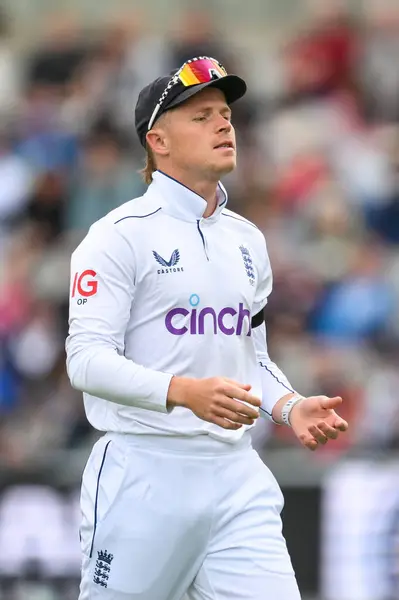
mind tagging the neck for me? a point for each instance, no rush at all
(204, 188)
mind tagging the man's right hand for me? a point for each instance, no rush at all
(217, 400)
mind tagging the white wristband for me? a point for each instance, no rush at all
(288, 406)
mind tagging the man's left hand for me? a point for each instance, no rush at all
(314, 420)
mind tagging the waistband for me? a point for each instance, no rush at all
(196, 445)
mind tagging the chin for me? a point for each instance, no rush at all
(225, 167)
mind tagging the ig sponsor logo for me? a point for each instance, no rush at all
(198, 321)
(84, 285)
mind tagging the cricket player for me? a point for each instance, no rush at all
(167, 342)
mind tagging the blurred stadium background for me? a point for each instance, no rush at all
(318, 173)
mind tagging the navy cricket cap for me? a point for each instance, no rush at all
(169, 91)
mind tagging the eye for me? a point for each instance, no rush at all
(200, 118)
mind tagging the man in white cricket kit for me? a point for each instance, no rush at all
(167, 342)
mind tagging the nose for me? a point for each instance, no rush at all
(223, 125)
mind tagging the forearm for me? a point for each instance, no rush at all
(100, 371)
(276, 389)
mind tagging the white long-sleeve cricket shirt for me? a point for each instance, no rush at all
(157, 290)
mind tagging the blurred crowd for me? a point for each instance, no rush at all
(318, 172)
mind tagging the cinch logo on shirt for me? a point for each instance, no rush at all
(228, 321)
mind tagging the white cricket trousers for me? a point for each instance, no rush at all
(165, 518)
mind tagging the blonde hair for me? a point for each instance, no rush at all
(150, 163)
(149, 167)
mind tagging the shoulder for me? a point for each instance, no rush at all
(121, 226)
(135, 211)
(240, 224)
(238, 221)
(253, 234)
(132, 214)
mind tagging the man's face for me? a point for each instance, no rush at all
(199, 136)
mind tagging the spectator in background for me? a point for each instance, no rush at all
(42, 138)
(378, 74)
(37, 346)
(9, 382)
(331, 230)
(359, 307)
(91, 93)
(104, 179)
(46, 206)
(17, 181)
(17, 257)
(384, 220)
(54, 62)
(360, 157)
(196, 35)
(11, 78)
(136, 57)
(122, 60)
(320, 60)
(17, 260)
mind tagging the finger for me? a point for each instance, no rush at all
(329, 403)
(330, 432)
(309, 442)
(225, 423)
(318, 435)
(243, 386)
(236, 417)
(240, 394)
(341, 424)
(238, 408)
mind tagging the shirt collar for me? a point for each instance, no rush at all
(181, 202)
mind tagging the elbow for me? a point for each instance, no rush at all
(90, 366)
(76, 368)
(78, 355)
(74, 373)
(85, 366)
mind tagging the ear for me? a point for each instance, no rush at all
(158, 142)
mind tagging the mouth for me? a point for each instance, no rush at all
(224, 145)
